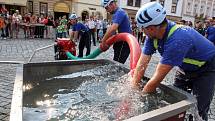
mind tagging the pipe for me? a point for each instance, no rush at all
(134, 46)
(42, 48)
(11, 62)
(92, 55)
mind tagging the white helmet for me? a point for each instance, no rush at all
(151, 13)
(105, 3)
(73, 16)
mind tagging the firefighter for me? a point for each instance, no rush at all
(179, 46)
(120, 24)
(80, 31)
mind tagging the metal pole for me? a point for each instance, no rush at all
(39, 50)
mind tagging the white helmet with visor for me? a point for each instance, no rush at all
(151, 13)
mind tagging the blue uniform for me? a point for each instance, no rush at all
(80, 28)
(177, 47)
(121, 49)
(185, 42)
(83, 32)
(121, 18)
(211, 34)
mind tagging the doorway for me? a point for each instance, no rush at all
(60, 14)
(84, 15)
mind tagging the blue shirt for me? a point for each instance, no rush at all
(211, 34)
(121, 18)
(80, 27)
(185, 42)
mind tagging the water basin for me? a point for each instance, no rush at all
(89, 90)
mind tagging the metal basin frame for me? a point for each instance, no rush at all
(31, 71)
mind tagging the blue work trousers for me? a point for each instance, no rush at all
(200, 83)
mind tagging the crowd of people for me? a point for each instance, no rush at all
(204, 27)
(34, 26)
(42, 26)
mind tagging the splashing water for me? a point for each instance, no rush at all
(102, 93)
(193, 115)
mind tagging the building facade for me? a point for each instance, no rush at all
(198, 9)
(12, 5)
(177, 10)
(83, 8)
(174, 7)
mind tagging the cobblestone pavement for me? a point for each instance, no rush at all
(21, 50)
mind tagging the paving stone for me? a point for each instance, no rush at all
(2, 117)
(3, 104)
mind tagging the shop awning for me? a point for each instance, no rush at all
(14, 2)
(61, 7)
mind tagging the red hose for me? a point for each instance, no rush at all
(134, 46)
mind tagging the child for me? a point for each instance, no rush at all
(60, 31)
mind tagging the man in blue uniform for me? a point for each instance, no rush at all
(80, 30)
(179, 46)
(210, 32)
(120, 23)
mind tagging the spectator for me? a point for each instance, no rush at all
(16, 20)
(2, 26)
(182, 22)
(92, 26)
(33, 22)
(190, 23)
(134, 27)
(105, 25)
(50, 26)
(98, 27)
(63, 24)
(40, 27)
(140, 35)
(27, 21)
(199, 28)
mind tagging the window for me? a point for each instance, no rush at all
(137, 3)
(30, 7)
(174, 6)
(162, 2)
(195, 9)
(43, 8)
(208, 11)
(213, 14)
(202, 9)
(130, 2)
(188, 6)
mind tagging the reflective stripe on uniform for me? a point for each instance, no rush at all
(194, 62)
(185, 60)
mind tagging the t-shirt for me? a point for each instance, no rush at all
(81, 28)
(121, 18)
(185, 42)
